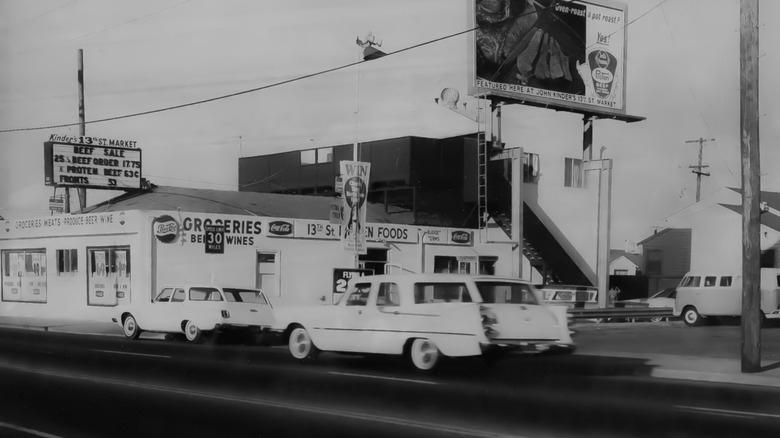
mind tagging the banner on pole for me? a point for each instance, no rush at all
(355, 175)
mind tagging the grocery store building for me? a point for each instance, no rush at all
(83, 266)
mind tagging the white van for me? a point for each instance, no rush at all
(703, 294)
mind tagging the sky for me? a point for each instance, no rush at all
(682, 75)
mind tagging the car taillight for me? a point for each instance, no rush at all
(225, 314)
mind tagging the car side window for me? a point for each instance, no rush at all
(725, 281)
(710, 281)
(204, 294)
(164, 296)
(388, 295)
(178, 295)
(441, 293)
(359, 296)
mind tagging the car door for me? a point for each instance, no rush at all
(348, 326)
(174, 311)
(382, 326)
(153, 317)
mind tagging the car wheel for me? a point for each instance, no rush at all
(130, 327)
(691, 316)
(423, 354)
(192, 332)
(657, 319)
(300, 344)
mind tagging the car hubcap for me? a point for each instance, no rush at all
(690, 317)
(424, 355)
(300, 344)
(129, 326)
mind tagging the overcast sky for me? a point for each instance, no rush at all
(143, 55)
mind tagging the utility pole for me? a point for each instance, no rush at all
(82, 125)
(751, 186)
(698, 169)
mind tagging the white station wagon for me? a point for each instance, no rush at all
(196, 310)
(425, 316)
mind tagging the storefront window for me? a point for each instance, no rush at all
(67, 261)
(374, 258)
(267, 278)
(24, 275)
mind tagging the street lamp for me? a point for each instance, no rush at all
(369, 52)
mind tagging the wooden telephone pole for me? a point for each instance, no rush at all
(698, 169)
(751, 187)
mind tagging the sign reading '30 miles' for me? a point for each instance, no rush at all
(105, 167)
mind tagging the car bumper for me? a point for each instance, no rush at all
(528, 347)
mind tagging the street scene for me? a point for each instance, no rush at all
(486, 218)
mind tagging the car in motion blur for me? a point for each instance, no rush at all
(198, 310)
(426, 316)
(662, 299)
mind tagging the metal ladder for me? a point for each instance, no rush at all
(484, 114)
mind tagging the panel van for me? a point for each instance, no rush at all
(703, 294)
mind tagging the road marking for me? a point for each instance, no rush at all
(726, 412)
(403, 422)
(29, 431)
(369, 376)
(133, 354)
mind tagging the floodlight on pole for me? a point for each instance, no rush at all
(448, 98)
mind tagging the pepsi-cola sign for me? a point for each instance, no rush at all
(461, 237)
(165, 229)
(280, 228)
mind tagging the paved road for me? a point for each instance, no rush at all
(75, 385)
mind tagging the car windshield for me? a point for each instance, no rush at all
(666, 293)
(506, 292)
(244, 296)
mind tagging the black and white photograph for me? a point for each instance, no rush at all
(353, 218)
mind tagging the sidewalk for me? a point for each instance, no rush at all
(667, 366)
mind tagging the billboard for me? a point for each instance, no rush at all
(564, 55)
(89, 166)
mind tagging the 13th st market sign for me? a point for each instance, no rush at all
(91, 166)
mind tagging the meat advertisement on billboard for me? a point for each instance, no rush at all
(566, 55)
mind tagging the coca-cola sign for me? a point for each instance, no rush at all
(462, 237)
(165, 229)
(280, 228)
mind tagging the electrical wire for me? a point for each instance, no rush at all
(254, 90)
(295, 79)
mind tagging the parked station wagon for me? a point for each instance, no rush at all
(197, 310)
(427, 316)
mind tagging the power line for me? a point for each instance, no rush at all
(253, 90)
(288, 81)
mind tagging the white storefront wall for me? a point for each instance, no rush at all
(294, 258)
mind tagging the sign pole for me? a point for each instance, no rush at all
(82, 191)
(751, 187)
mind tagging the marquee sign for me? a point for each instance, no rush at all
(91, 166)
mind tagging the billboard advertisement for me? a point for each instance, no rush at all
(91, 166)
(564, 55)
